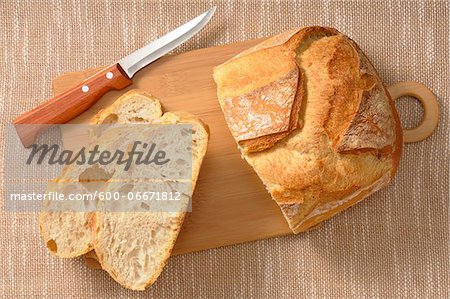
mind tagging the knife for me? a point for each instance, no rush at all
(75, 101)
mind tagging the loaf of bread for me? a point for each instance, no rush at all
(132, 247)
(312, 117)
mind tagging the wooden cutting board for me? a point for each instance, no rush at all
(230, 204)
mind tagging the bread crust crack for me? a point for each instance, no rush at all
(349, 139)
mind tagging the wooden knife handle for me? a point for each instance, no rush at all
(69, 104)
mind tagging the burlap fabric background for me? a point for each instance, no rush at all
(392, 245)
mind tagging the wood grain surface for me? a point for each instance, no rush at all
(429, 105)
(230, 204)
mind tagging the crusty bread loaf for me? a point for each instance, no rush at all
(132, 246)
(314, 120)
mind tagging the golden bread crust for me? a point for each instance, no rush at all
(349, 142)
(268, 110)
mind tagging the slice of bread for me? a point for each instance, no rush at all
(69, 234)
(133, 247)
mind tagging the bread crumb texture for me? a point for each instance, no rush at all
(133, 247)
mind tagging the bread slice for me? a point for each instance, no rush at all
(67, 234)
(347, 141)
(133, 247)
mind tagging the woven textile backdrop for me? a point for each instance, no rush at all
(393, 245)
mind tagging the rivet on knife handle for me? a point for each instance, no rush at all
(69, 104)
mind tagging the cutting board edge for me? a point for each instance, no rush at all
(93, 70)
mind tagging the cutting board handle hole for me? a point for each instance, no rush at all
(410, 110)
(430, 108)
